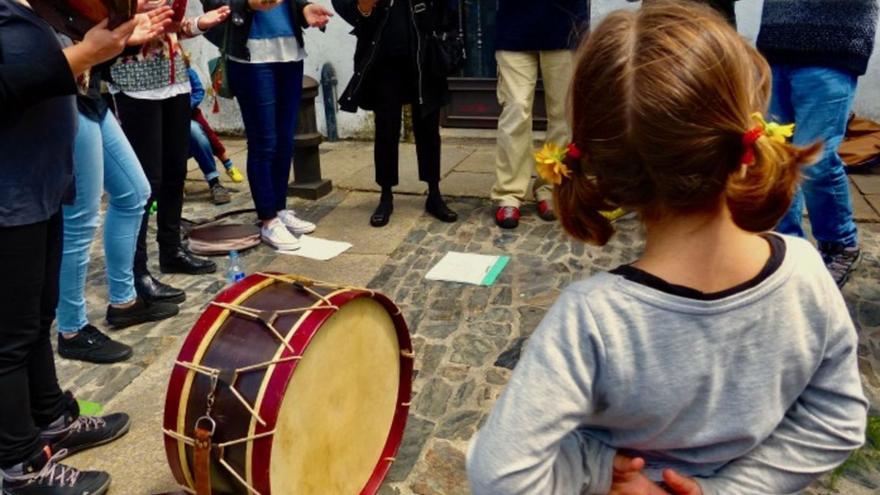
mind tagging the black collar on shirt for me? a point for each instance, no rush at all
(777, 255)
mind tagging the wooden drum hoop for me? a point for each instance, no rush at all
(179, 420)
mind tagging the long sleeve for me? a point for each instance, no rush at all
(197, 91)
(530, 443)
(23, 85)
(819, 431)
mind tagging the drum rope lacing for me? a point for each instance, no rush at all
(268, 318)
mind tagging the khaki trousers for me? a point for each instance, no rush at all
(517, 76)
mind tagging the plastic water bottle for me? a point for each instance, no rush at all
(234, 273)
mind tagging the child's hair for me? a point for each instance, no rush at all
(660, 103)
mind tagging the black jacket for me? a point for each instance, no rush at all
(239, 24)
(429, 17)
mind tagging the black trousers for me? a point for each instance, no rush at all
(30, 257)
(395, 84)
(158, 130)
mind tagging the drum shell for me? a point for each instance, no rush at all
(234, 344)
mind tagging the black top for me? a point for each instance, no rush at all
(396, 43)
(37, 118)
(92, 105)
(777, 255)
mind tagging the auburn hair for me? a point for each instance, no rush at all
(660, 101)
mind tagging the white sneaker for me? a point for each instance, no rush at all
(296, 225)
(276, 235)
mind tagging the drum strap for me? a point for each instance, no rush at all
(202, 461)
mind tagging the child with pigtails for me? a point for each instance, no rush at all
(723, 360)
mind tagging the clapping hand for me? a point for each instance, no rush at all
(150, 25)
(316, 15)
(213, 18)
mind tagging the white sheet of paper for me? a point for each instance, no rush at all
(476, 269)
(318, 249)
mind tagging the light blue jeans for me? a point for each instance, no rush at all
(818, 100)
(103, 161)
(200, 149)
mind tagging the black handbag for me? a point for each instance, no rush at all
(448, 52)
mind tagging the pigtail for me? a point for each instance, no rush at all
(579, 203)
(759, 194)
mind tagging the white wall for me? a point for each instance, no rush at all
(336, 46)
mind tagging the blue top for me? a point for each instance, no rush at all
(37, 118)
(197, 91)
(527, 25)
(274, 23)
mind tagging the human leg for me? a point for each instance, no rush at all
(517, 76)
(556, 73)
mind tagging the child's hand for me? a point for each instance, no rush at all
(681, 485)
(629, 480)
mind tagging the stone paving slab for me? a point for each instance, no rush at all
(364, 179)
(867, 183)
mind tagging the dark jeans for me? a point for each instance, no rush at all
(31, 398)
(268, 95)
(396, 83)
(158, 130)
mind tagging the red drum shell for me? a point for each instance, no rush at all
(224, 346)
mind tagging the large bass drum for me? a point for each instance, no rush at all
(289, 386)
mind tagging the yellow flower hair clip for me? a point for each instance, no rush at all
(550, 162)
(775, 131)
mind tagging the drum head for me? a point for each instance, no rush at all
(339, 406)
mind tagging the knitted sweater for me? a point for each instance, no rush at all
(832, 33)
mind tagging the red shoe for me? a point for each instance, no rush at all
(507, 217)
(545, 210)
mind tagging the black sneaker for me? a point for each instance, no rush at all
(139, 312)
(840, 260)
(43, 475)
(92, 346)
(73, 434)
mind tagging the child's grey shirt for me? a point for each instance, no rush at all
(755, 393)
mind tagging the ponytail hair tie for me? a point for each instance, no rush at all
(772, 130)
(552, 162)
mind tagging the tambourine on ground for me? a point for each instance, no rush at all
(74, 18)
(289, 386)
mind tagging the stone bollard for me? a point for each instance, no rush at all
(307, 182)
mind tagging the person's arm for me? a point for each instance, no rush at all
(530, 443)
(197, 91)
(818, 433)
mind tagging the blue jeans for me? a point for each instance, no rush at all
(200, 150)
(103, 161)
(268, 95)
(818, 100)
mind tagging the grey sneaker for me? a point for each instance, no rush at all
(840, 260)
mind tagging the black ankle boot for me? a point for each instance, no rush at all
(382, 214)
(438, 209)
(182, 261)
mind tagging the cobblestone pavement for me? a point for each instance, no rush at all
(467, 339)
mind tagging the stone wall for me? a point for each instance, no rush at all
(336, 46)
